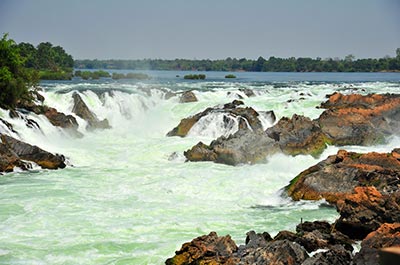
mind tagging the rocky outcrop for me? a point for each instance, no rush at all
(338, 175)
(207, 249)
(82, 110)
(247, 118)
(188, 96)
(360, 120)
(366, 210)
(349, 120)
(387, 235)
(285, 248)
(298, 135)
(13, 152)
(244, 146)
(59, 119)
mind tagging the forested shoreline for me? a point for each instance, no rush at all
(273, 64)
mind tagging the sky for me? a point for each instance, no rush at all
(207, 29)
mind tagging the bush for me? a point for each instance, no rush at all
(195, 77)
(230, 76)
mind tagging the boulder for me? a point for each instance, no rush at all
(276, 252)
(244, 146)
(247, 118)
(336, 255)
(298, 135)
(338, 175)
(387, 235)
(207, 249)
(19, 150)
(188, 96)
(360, 120)
(366, 210)
(82, 110)
(9, 159)
(248, 92)
(60, 119)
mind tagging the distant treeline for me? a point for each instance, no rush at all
(273, 64)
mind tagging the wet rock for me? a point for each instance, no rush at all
(339, 174)
(8, 125)
(60, 119)
(32, 153)
(387, 235)
(248, 92)
(298, 135)
(337, 255)
(366, 210)
(244, 146)
(188, 96)
(248, 118)
(360, 120)
(207, 249)
(9, 159)
(82, 110)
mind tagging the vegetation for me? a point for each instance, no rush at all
(52, 62)
(15, 78)
(92, 75)
(195, 77)
(273, 64)
(139, 76)
(230, 76)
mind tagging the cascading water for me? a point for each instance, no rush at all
(124, 201)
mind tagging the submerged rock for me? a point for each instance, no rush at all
(188, 96)
(339, 174)
(82, 110)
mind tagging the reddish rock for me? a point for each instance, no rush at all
(60, 119)
(207, 249)
(387, 235)
(366, 210)
(360, 120)
(338, 175)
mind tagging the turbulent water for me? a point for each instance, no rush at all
(128, 197)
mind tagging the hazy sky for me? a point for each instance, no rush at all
(213, 29)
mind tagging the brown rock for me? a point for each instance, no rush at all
(387, 235)
(82, 110)
(207, 249)
(366, 210)
(21, 150)
(298, 135)
(60, 119)
(338, 175)
(188, 96)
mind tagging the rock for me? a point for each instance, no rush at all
(207, 249)
(298, 135)
(276, 252)
(248, 92)
(244, 146)
(9, 159)
(366, 210)
(387, 235)
(339, 174)
(60, 119)
(82, 110)
(247, 118)
(21, 150)
(360, 120)
(336, 255)
(188, 96)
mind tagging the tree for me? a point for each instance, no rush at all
(398, 53)
(15, 79)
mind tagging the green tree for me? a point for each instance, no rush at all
(15, 79)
